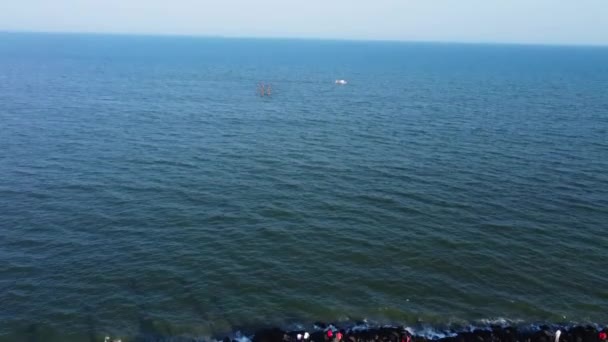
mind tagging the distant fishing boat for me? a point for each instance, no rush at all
(341, 82)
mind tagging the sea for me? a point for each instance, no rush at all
(147, 189)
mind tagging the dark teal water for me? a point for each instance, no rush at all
(145, 187)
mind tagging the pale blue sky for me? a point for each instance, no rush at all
(507, 21)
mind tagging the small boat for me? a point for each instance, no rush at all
(341, 82)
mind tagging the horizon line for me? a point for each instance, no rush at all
(329, 39)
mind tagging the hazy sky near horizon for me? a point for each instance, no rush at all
(505, 21)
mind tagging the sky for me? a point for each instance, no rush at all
(580, 22)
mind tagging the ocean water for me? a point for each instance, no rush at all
(146, 188)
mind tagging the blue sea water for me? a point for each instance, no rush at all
(146, 188)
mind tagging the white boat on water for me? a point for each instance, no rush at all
(341, 82)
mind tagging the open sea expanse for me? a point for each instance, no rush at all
(146, 188)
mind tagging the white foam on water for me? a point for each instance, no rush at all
(360, 327)
(503, 322)
(239, 337)
(242, 339)
(430, 332)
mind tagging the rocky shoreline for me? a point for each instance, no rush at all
(330, 333)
